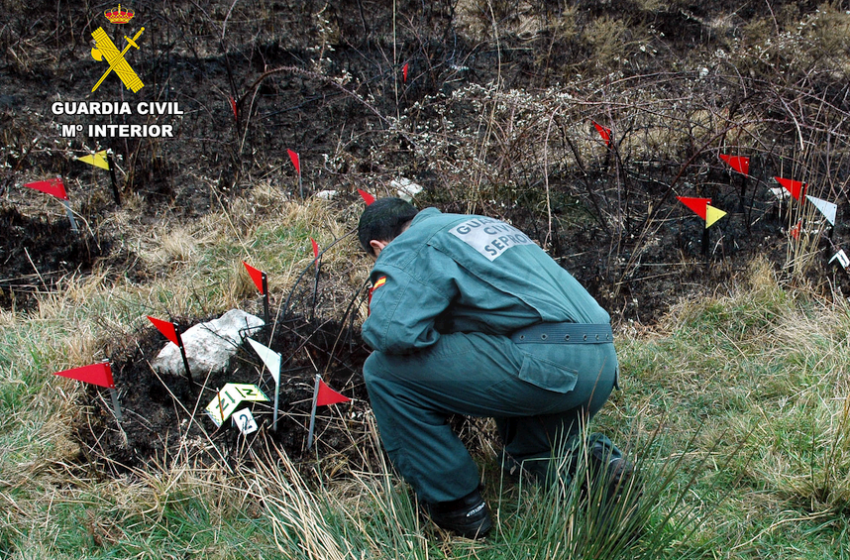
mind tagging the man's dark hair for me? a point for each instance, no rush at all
(383, 220)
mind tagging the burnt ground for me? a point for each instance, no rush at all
(164, 422)
(37, 252)
(325, 79)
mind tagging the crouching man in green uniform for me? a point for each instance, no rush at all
(469, 316)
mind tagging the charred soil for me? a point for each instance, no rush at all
(163, 415)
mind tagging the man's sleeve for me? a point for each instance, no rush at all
(402, 311)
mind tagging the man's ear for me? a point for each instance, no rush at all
(377, 246)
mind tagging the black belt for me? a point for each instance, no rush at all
(564, 333)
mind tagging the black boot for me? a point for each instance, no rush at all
(468, 516)
(609, 467)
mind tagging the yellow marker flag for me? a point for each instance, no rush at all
(98, 160)
(712, 214)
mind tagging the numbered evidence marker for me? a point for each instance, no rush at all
(244, 420)
(230, 396)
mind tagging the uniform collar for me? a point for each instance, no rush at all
(424, 215)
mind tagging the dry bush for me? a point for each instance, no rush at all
(790, 47)
(487, 145)
(608, 39)
(491, 19)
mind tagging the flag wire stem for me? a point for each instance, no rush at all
(71, 216)
(285, 307)
(313, 412)
(116, 405)
(276, 402)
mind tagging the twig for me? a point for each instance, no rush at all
(331, 82)
(285, 307)
(546, 176)
(18, 165)
(43, 283)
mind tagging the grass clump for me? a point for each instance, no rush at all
(375, 517)
(810, 458)
(762, 368)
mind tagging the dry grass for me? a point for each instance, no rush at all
(486, 20)
(759, 361)
(265, 229)
(810, 423)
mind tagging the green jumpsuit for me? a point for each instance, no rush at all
(446, 295)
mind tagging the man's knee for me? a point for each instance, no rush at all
(369, 369)
(375, 369)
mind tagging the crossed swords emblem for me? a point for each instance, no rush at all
(106, 49)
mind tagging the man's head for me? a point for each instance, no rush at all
(382, 221)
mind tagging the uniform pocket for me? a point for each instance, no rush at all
(547, 375)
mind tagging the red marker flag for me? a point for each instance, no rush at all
(795, 231)
(698, 205)
(605, 133)
(367, 198)
(322, 396)
(233, 106)
(738, 163)
(167, 328)
(97, 374)
(325, 395)
(295, 161)
(53, 187)
(257, 276)
(796, 188)
(315, 255)
(404, 72)
(315, 248)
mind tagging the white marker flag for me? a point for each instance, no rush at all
(842, 258)
(269, 357)
(827, 208)
(272, 361)
(780, 193)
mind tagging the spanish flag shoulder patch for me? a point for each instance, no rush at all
(378, 283)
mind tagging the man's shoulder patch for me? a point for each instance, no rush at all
(378, 283)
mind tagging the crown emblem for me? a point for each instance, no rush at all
(119, 15)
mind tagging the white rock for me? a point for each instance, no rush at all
(406, 188)
(780, 193)
(209, 346)
(326, 195)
